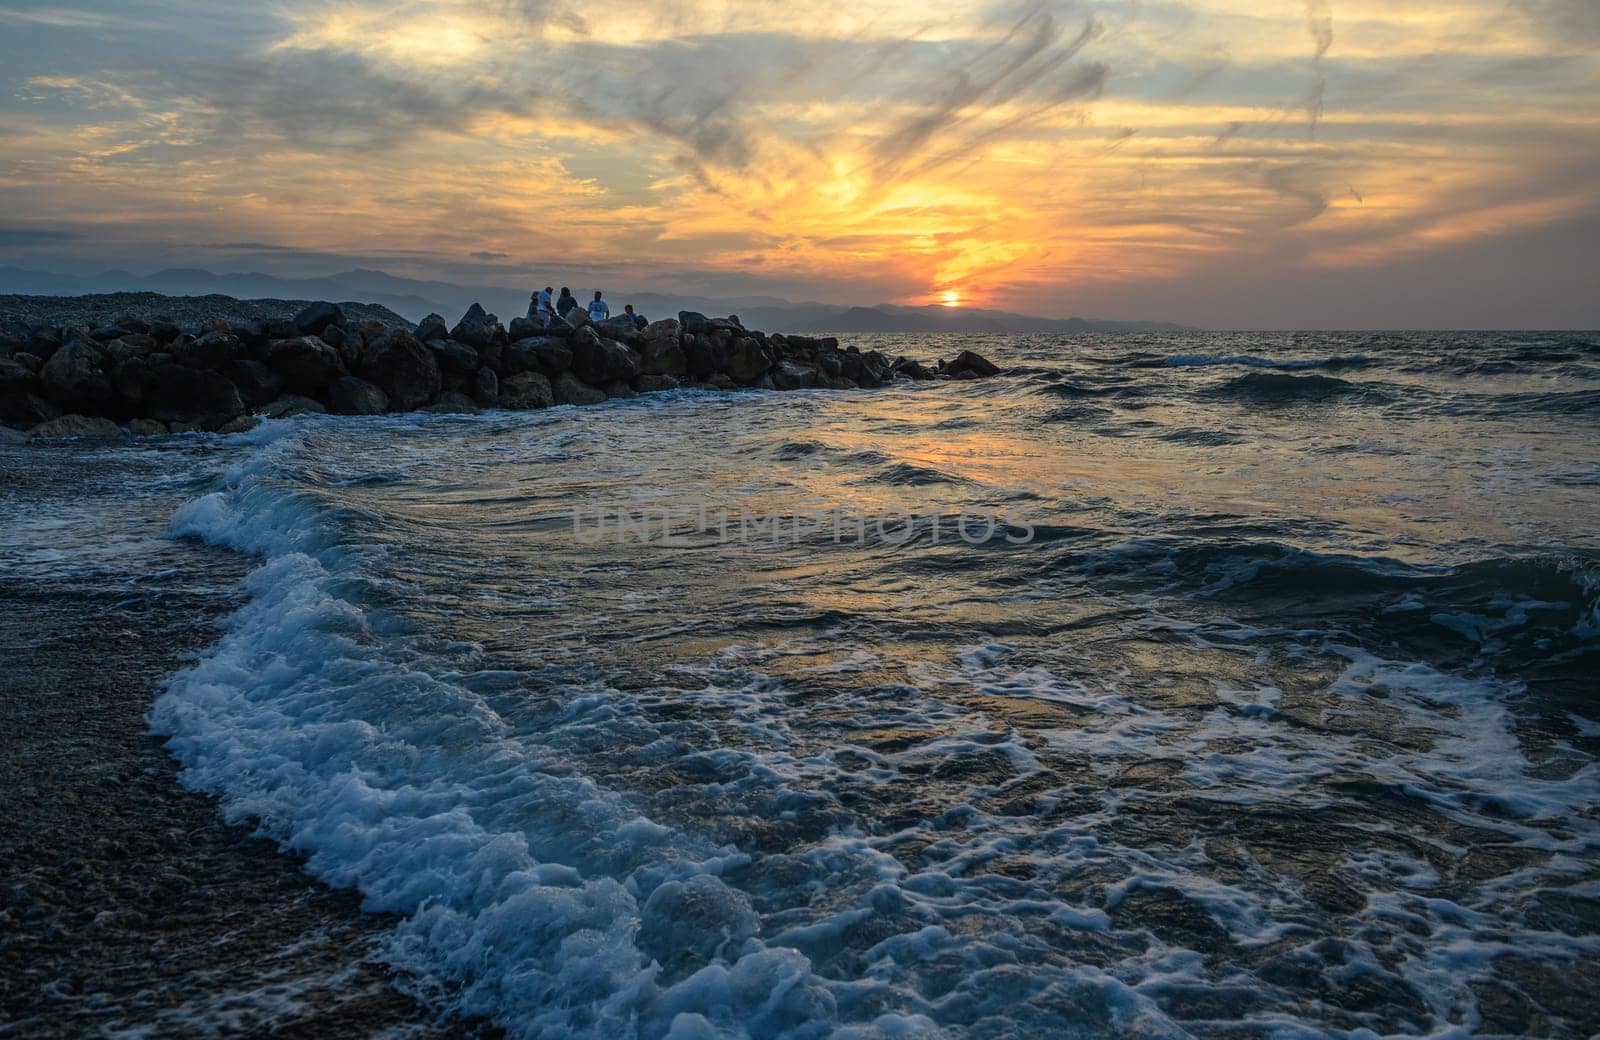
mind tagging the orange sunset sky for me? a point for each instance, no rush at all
(1221, 162)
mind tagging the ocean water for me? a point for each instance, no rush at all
(1258, 696)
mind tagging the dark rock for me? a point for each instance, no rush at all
(523, 328)
(663, 356)
(493, 356)
(911, 369)
(970, 361)
(454, 357)
(220, 325)
(133, 323)
(108, 332)
(526, 390)
(830, 364)
(619, 389)
(478, 329)
(17, 378)
(306, 365)
(403, 368)
(77, 426)
(214, 351)
(243, 424)
(747, 361)
(486, 391)
(708, 353)
(569, 389)
(432, 328)
(25, 410)
(72, 377)
(164, 330)
(255, 333)
(623, 329)
(317, 317)
(541, 354)
(293, 404)
(147, 428)
(177, 393)
(43, 342)
(351, 396)
(121, 351)
(182, 427)
(599, 361)
(651, 383)
(128, 381)
(257, 383)
(792, 376)
(32, 362)
(695, 323)
(452, 403)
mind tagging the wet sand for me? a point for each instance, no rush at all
(126, 904)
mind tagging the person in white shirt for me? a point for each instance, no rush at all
(599, 310)
(540, 309)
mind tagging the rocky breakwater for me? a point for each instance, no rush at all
(152, 376)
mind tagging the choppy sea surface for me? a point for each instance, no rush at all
(1269, 706)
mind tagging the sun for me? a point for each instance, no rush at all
(951, 299)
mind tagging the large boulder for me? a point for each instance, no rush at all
(257, 383)
(78, 426)
(971, 365)
(403, 368)
(663, 353)
(293, 404)
(432, 328)
(569, 389)
(478, 328)
(215, 351)
(72, 377)
(545, 354)
(707, 353)
(790, 375)
(24, 410)
(16, 377)
(597, 360)
(623, 329)
(747, 361)
(453, 356)
(43, 341)
(306, 365)
(486, 388)
(317, 317)
(694, 322)
(177, 393)
(351, 396)
(526, 390)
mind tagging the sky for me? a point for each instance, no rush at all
(1223, 163)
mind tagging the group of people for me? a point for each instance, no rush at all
(542, 307)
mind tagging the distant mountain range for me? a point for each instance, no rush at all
(416, 299)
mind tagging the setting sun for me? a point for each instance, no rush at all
(951, 298)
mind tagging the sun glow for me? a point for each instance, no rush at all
(951, 298)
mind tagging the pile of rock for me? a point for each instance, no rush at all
(156, 377)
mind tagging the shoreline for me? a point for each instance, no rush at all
(128, 903)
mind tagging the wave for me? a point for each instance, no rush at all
(539, 898)
(1536, 617)
(1348, 361)
(1282, 388)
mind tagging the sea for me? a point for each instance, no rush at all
(1169, 684)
